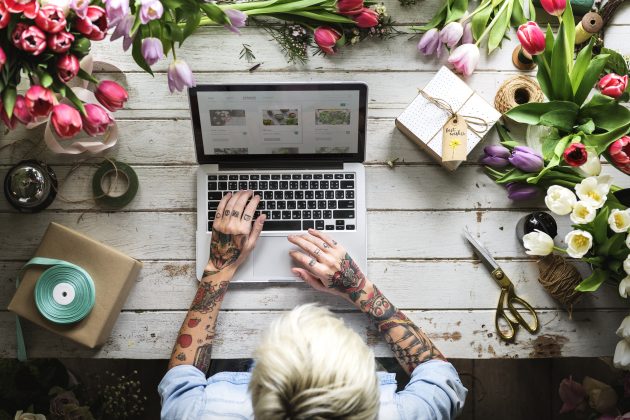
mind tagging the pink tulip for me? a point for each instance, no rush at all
(80, 7)
(465, 58)
(111, 95)
(116, 10)
(430, 42)
(5, 16)
(16, 36)
(20, 110)
(33, 40)
(96, 121)
(468, 38)
(367, 18)
(60, 42)
(554, 7)
(123, 30)
(150, 10)
(349, 7)
(51, 19)
(152, 50)
(94, 24)
(451, 34)
(10, 123)
(613, 85)
(238, 19)
(3, 58)
(619, 152)
(39, 101)
(66, 121)
(67, 67)
(28, 8)
(326, 39)
(532, 38)
(179, 76)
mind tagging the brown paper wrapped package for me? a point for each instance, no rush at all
(112, 271)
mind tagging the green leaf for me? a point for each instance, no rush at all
(553, 161)
(172, 4)
(600, 142)
(549, 41)
(437, 20)
(591, 75)
(600, 226)
(592, 282)
(531, 113)
(46, 79)
(501, 23)
(559, 74)
(563, 119)
(518, 16)
(479, 21)
(581, 64)
(8, 100)
(458, 8)
(75, 100)
(616, 63)
(323, 17)
(217, 15)
(612, 245)
(568, 23)
(136, 53)
(549, 147)
(87, 76)
(192, 23)
(587, 127)
(605, 112)
(543, 77)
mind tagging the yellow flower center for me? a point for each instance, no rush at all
(594, 195)
(618, 220)
(582, 212)
(580, 241)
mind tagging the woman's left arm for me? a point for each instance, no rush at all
(234, 234)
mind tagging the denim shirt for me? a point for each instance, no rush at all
(434, 392)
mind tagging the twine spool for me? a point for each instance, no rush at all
(559, 278)
(590, 24)
(517, 90)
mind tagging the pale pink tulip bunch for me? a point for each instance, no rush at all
(455, 40)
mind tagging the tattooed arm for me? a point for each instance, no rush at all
(233, 238)
(329, 268)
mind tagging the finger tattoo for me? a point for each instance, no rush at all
(312, 262)
(226, 213)
(317, 251)
(247, 217)
(325, 245)
(334, 242)
(235, 213)
(217, 216)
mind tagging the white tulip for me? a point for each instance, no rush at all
(621, 359)
(593, 165)
(624, 288)
(628, 241)
(619, 220)
(62, 4)
(626, 266)
(578, 243)
(538, 243)
(593, 190)
(624, 329)
(582, 213)
(560, 200)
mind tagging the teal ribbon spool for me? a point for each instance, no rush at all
(64, 294)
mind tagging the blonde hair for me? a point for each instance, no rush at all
(310, 365)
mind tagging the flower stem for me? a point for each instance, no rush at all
(491, 25)
(560, 249)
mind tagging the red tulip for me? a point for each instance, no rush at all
(554, 7)
(111, 95)
(613, 85)
(96, 121)
(326, 39)
(5, 16)
(39, 101)
(16, 36)
(349, 7)
(27, 7)
(3, 58)
(60, 42)
(33, 40)
(575, 154)
(67, 67)
(619, 152)
(94, 24)
(11, 123)
(66, 121)
(21, 112)
(51, 19)
(367, 18)
(532, 38)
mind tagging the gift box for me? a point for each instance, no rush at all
(113, 273)
(445, 115)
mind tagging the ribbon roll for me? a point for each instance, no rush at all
(590, 24)
(118, 168)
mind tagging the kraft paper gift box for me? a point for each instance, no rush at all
(423, 121)
(113, 274)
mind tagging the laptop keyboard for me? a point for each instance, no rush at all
(293, 202)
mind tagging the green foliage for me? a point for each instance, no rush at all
(616, 63)
(592, 282)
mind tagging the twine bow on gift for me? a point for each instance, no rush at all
(473, 123)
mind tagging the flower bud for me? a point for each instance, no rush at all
(97, 121)
(613, 85)
(429, 42)
(51, 19)
(619, 152)
(554, 7)
(33, 40)
(451, 34)
(111, 95)
(326, 39)
(496, 156)
(532, 38)
(560, 200)
(94, 24)
(538, 243)
(152, 50)
(518, 191)
(66, 121)
(367, 18)
(67, 67)
(60, 42)
(526, 159)
(39, 101)
(465, 59)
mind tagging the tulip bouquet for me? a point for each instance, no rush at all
(44, 42)
(578, 126)
(152, 28)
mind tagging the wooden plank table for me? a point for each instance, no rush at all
(416, 213)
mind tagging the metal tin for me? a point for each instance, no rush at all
(30, 186)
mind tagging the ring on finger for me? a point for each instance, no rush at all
(317, 251)
(325, 245)
(235, 213)
(247, 217)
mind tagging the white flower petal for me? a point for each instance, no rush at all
(619, 220)
(560, 200)
(538, 243)
(579, 242)
(621, 359)
(624, 288)
(583, 213)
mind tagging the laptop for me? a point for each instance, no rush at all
(300, 146)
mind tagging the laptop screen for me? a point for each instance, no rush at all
(279, 121)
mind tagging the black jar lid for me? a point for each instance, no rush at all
(30, 186)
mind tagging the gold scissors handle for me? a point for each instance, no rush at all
(507, 299)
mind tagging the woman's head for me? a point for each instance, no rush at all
(310, 365)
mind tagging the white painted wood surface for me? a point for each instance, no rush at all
(416, 213)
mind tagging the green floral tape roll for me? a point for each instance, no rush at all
(107, 200)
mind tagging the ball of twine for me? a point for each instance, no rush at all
(560, 279)
(517, 90)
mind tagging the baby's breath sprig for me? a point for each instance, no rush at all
(294, 41)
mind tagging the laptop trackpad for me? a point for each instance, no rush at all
(272, 260)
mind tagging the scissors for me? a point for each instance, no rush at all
(507, 299)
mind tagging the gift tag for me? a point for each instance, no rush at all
(454, 139)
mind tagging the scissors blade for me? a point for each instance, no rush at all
(481, 252)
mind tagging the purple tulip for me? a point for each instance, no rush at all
(152, 50)
(518, 191)
(80, 7)
(237, 18)
(467, 38)
(496, 156)
(116, 10)
(123, 29)
(150, 10)
(179, 76)
(526, 159)
(451, 34)
(430, 42)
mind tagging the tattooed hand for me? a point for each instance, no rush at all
(327, 266)
(233, 236)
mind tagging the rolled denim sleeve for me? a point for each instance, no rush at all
(433, 392)
(182, 393)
